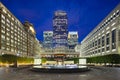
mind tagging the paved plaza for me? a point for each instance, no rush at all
(95, 74)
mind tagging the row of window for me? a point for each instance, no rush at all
(8, 31)
(13, 34)
(8, 14)
(10, 23)
(100, 43)
(110, 19)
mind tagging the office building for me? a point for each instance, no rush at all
(60, 51)
(15, 38)
(72, 39)
(48, 39)
(60, 31)
(105, 38)
(30, 38)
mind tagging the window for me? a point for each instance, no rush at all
(12, 49)
(8, 21)
(113, 39)
(8, 43)
(11, 23)
(8, 48)
(15, 38)
(103, 40)
(107, 48)
(2, 47)
(12, 18)
(2, 16)
(108, 39)
(98, 43)
(99, 51)
(8, 29)
(9, 15)
(4, 10)
(12, 28)
(3, 31)
(3, 26)
(119, 35)
(95, 52)
(103, 49)
(8, 39)
(11, 40)
(11, 32)
(2, 36)
(8, 25)
(3, 21)
(8, 34)
(95, 43)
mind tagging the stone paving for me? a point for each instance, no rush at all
(101, 73)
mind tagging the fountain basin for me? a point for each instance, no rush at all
(60, 69)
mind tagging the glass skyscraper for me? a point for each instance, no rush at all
(60, 29)
(72, 39)
(48, 38)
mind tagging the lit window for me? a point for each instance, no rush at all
(9, 15)
(15, 26)
(8, 21)
(11, 40)
(16, 21)
(4, 11)
(12, 49)
(11, 32)
(2, 47)
(15, 38)
(8, 48)
(2, 16)
(8, 29)
(8, 25)
(11, 36)
(8, 43)
(8, 34)
(12, 18)
(8, 39)
(2, 36)
(3, 21)
(12, 27)
(2, 31)
(3, 26)
(11, 23)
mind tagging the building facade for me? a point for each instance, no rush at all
(72, 39)
(60, 52)
(60, 30)
(48, 40)
(14, 35)
(30, 38)
(105, 38)
(38, 48)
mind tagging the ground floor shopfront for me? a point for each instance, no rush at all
(60, 59)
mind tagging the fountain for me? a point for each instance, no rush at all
(59, 68)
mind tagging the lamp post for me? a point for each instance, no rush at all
(16, 63)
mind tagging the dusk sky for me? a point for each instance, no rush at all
(83, 15)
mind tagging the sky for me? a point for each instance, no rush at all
(83, 15)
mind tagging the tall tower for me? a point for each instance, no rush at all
(72, 39)
(48, 38)
(60, 30)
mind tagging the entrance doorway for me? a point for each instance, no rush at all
(59, 59)
(60, 63)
